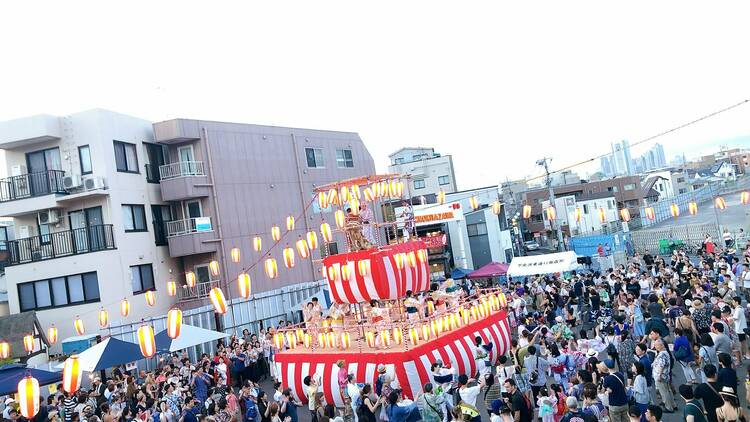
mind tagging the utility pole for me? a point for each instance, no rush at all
(544, 162)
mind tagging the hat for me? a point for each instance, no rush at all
(559, 318)
(688, 303)
(340, 362)
(9, 400)
(727, 391)
(381, 369)
(610, 363)
(592, 353)
(572, 402)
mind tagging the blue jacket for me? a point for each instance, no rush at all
(681, 342)
(408, 413)
(645, 360)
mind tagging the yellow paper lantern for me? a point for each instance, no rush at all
(693, 207)
(375, 188)
(745, 198)
(385, 338)
(650, 214)
(146, 340)
(577, 214)
(302, 249)
(340, 219)
(430, 307)
(150, 298)
(276, 233)
(551, 213)
(364, 267)
(103, 318)
(213, 266)
(425, 331)
(28, 397)
(333, 196)
(400, 189)
(243, 285)
(398, 335)
(346, 341)
(325, 231)
(124, 307)
(497, 207)
(474, 202)
(290, 223)
(278, 341)
(312, 240)
(331, 339)
(675, 210)
(331, 273)
(720, 203)
(28, 343)
(413, 336)
(171, 288)
(322, 340)
(217, 299)
(190, 279)
(370, 338)
(174, 323)
(399, 258)
(291, 340)
(527, 212)
(78, 325)
(322, 200)
(345, 272)
(441, 197)
(344, 195)
(288, 254)
(271, 268)
(307, 340)
(502, 300)
(4, 350)
(602, 215)
(411, 258)
(354, 206)
(235, 254)
(436, 326)
(257, 243)
(384, 190)
(354, 190)
(369, 196)
(625, 215)
(51, 335)
(465, 314)
(422, 255)
(72, 374)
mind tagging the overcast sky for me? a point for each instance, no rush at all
(495, 85)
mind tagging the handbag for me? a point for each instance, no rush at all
(438, 411)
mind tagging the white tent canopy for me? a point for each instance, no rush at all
(190, 335)
(543, 264)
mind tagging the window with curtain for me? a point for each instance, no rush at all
(126, 158)
(142, 277)
(134, 218)
(59, 291)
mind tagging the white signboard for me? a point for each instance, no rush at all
(543, 264)
(425, 215)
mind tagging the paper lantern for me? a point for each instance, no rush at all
(346, 340)
(425, 331)
(441, 197)
(288, 254)
(51, 335)
(551, 213)
(400, 189)
(625, 214)
(474, 202)
(171, 288)
(103, 318)
(720, 203)
(693, 207)
(527, 211)
(331, 339)
(174, 323)
(28, 397)
(399, 258)
(602, 215)
(344, 195)
(28, 343)
(300, 335)
(354, 206)
(354, 190)
(650, 214)
(72, 374)
(340, 219)
(398, 335)
(190, 279)
(150, 298)
(217, 299)
(436, 326)
(325, 231)
(278, 341)
(322, 200)
(235, 254)
(577, 214)
(312, 240)
(456, 319)
(124, 307)
(331, 273)
(276, 233)
(675, 210)
(430, 307)
(322, 340)
(370, 338)
(307, 340)
(375, 188)
(257, 243)
(290, 223)
(411, 258)
(272, 270)
(422, 255)
(345, 273)
(291, 340)
(413, 336)
(745, 198)
(4, 350)
(213, 266)
(502, 300)
(384, 189)
(392, 188)
(363, 266)
(369, 196)
(146, 341)
(465, 314)
(302, 249)
(243, 285)
(447, 323)
(497, 207)
(78, 325)
(385, 338)
(333, 196)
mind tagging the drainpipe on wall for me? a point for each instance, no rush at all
(302, 200)
(222, 257)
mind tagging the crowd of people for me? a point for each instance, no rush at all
(604, 345)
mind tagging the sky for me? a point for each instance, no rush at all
(495, 84)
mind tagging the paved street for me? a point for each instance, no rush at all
(733, 217)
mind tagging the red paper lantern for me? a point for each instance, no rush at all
(4, 350)
(217, 299)
(150, 298)
(174, 323)
(52, 335)
(103, 318)
(272, 269)
(28, 343)
(124, 307)
(213, 266)
(302, 249)
(28, 396)
(72, 374)
(190, 279)
(78, 324)
(243, 285)
(527, 212)
(235, 254)
(650, 214)
(146, 341)
(288, 257)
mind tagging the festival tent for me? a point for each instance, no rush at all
(543, 264)
(11, 374)
(108, 354)
(190, 335)
(459, 273)
(493, 269)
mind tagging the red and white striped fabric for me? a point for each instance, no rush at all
(384, 279)
(411, 368)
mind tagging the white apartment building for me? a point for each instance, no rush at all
(430, 171)
(588, 206)
(87, 215)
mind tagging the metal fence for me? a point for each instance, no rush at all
(691, 234)
(180, 169)
(62, 243)
(662, 211)
(32, 184)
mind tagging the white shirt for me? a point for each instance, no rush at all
(645, 286)
(740, 322)
(469, 395)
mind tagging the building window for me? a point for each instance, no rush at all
(314, 157)
(134, 218)
(478, 229)
(419, 184)
(329, 249)
(126, 158)
(142, 277)
(585, 209)
(84, 158)
(416, 157)
(44, 233)
(629, 186)
(610, 204)
(398, 161)
(444, 180)
(59, 291)
(680, 180)
(3, 238)
(344, 158)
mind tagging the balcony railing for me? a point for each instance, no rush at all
(152, 173)
(181, 169)
(32, 184)
(61, 244)
(200, 290)
(187, 226)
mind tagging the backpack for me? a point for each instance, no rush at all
(379, 386)
(252, 410)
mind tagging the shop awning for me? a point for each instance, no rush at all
(459, 273)
(543, 264)
(493, 269)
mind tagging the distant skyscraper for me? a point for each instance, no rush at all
(606, 164)
(653, 159)
(622, 163)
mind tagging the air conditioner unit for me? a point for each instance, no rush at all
(17, 170)
(92, 183)
(49, 217)
(73, 181)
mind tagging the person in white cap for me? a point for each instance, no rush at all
(561, 330)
